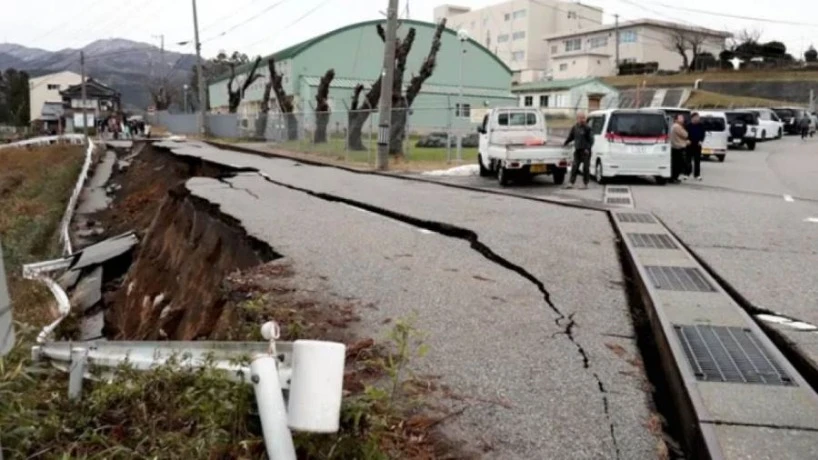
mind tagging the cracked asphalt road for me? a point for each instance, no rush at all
(541, 380)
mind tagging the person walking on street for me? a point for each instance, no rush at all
(678, 144)
(583, 139)
(804, 123)
(695, 137)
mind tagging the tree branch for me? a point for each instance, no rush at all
(253, 76)
(428, 65)
(268, 87)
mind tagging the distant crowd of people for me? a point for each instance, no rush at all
(118, 128)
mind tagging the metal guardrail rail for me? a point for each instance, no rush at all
(738, 396)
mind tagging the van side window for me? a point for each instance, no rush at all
(485, 122)
(597, 123)
(502, 119)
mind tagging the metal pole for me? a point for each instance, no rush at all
(84, 94)
(616, 28)
(385, 115)
(199, 75)
(271, 409)
(460, 110)
(79, 361)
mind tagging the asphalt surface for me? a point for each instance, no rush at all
(492, 335)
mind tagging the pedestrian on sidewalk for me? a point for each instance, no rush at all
(583, 139)
(678, 144)
(695, 137)
(804, 123)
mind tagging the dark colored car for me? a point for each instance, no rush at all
(743, 127)
(791, 118)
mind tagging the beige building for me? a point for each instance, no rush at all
(592, 52)
(513, 30)
(47, 89)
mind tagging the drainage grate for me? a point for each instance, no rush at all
(678, 279)
(618, 190)
(652, 240)
(617, 200)
(635, 218)
(729, 354)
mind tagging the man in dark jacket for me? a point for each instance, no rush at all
(695, 134)
(583, 139)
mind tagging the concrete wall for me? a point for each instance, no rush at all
(794, 91)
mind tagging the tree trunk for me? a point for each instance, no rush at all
(322, 109)
(292, 126)
(261, 123)
(356, 121)
(234, 96)
(397, 131)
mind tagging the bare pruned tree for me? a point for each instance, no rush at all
(234, 96)
(684, 41)
(285, 102)
(322, 108)
(261, 122)
(163, 93)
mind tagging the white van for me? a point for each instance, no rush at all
(630, 143)
(716, 134)
(769, 125)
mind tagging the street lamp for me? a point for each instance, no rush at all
(185, 87)
(463, 36)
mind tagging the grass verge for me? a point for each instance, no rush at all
(706, 99)
(627, 81)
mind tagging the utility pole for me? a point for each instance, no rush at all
(388, 74)
(84, 94)
(616, 28)
(199, 75)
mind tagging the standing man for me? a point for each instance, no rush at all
(695, 137)
(678, 144)
(583, 139)
(804, 123)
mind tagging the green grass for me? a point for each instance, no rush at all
(628, 81)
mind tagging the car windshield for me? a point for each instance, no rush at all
(638, 124)
(517, 119)
(711, 124)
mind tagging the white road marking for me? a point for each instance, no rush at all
(789, 198)
(814, 220)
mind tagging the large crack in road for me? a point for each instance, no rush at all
(473, 239)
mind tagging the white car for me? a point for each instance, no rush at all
(770, 125)
(513, 145)
(630, 143)
(715, 134)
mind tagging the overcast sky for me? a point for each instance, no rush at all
(274, 24)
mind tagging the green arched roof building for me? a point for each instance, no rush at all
(356, 53)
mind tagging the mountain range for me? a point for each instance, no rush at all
(125, 65)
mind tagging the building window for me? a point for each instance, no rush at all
(628, 36)
(553, 49)
(598, 42)
(544, 100)
(574, 44)
(572, 15)
(528, 101)
(519, 14)
(462, 110)
(502, 38)
(518, 56)
(518, 35)
(563, 66)
(488, 39)
(53, 87)
(507, 17)
(628, 60)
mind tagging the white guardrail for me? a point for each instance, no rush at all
(312, 371)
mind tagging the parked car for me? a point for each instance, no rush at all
(673, 112)
(630, 143)
(513, 145)
(716, 134)
(743, 128)
(791, 117)
(435, 140)
(769, 125)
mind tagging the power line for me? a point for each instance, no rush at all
(735, 16)
(251, 18)
(286, 27)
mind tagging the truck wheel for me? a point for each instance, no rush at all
(780, 133)
(751, 145)
(764, 135)
(502, 176)
(721, 158)
(559, 176)
(598, 173)
(660, 180)
(484, 172)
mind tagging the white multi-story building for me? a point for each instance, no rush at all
(591, 52)
(47, 89)
(514, 30)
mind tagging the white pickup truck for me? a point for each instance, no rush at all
(513, 145)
